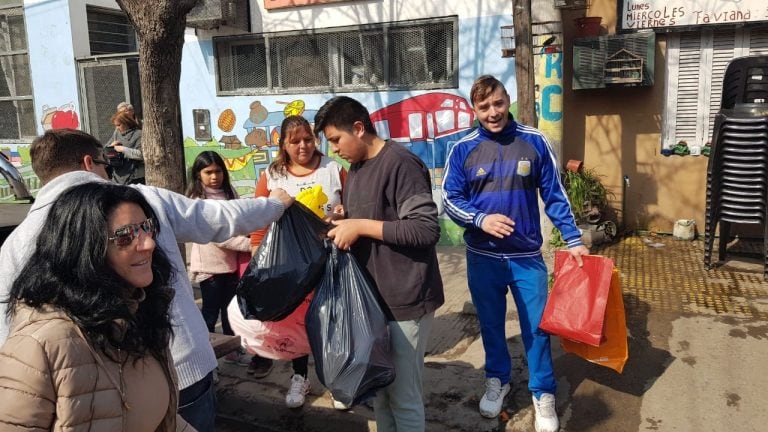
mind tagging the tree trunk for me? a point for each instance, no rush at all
(524, 74)
(160, 26)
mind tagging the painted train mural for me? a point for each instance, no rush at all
(428, 124)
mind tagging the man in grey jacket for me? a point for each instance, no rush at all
(63, 158)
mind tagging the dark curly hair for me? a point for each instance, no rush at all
(69, 271)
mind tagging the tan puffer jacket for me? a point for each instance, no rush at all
(51, 379)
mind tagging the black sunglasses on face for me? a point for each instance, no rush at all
(107, 167)
(126, 234)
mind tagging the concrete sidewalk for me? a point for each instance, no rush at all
(697, 359)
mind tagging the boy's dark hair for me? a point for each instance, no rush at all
(61, 151)
(483, 86)
(342, 112)
(69, 271)
(204, 159)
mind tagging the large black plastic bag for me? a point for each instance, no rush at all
(348, 332)
(288, 264)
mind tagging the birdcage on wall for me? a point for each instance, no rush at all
(508, 41)
(624, 67)
(571, 4)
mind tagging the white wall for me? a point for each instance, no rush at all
(51, 57)
(364, 12)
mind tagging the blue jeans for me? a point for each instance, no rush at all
(489, 281)
(197, 404)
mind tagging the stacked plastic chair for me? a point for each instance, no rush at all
(737, 173)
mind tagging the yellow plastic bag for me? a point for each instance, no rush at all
(314, 198)
(613, 351)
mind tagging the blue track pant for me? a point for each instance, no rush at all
(489, 279)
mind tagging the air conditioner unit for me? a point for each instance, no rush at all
(614, 61)
(211, 14)
(571, 4)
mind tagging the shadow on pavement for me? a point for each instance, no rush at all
(595, 392)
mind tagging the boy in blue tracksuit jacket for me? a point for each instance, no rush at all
(491, 185)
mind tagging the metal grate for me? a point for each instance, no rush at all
(17, 116)
(299, 62)
(421, 54)
(242, 65)
(417, 54)
(104, 84)
(362, 58)
(17, 119)
(110, 32)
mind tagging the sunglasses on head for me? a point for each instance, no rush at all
(107, 167)
(126, 234)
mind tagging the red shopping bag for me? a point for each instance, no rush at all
(576, 305)
(613, 352)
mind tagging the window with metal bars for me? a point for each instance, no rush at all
(110, 32)
(17, 111)
(419, 54)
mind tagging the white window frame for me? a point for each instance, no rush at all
(692, 97)
(15, 97)
(335, 64)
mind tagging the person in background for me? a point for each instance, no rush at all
(125, 106)
(214, 265)
(125, 144)
(94, 297)
(492, 181)
(391, 228)
(128, 108)
(63, 158)
(299, 165)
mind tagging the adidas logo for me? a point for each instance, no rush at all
(480, 172)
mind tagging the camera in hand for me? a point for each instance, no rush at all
(114, 157)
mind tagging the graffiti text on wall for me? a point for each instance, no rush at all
(646, 14)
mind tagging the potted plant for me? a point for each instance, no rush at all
(587, 195)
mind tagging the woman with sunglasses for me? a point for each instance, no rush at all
(88, 347)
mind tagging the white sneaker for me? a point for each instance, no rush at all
(546, 415)
(299, 388)
(490, 404)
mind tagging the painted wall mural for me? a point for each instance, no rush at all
(428, 125)
(18, 155)
(64, 116)
(548, 66)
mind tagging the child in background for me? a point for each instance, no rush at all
(299, 166)
(214, 265)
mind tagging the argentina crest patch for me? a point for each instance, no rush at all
(524, 168)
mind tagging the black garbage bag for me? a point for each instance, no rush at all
(348, 332)
(288, 264)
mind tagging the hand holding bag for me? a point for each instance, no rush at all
(288, 264)
(576, 305)
(349, 332)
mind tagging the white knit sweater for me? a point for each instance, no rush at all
(181, 220)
